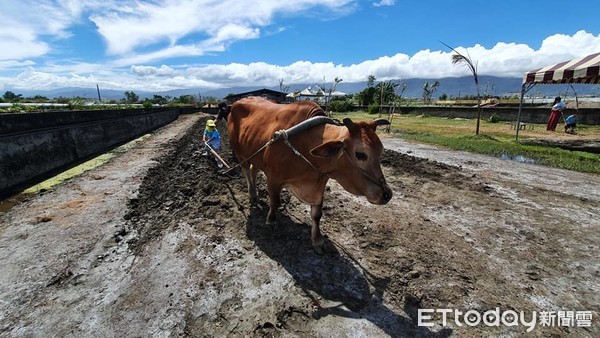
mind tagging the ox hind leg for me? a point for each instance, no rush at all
(316, 211)
(250, 173)
(274, 191)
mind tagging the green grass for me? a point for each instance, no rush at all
(494, 139)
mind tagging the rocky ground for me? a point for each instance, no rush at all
(158, 243)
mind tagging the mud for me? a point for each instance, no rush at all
(158, 243)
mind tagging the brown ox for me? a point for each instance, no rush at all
(349, 154)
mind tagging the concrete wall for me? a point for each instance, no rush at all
(37, 145)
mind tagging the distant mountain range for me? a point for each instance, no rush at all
(452, 87)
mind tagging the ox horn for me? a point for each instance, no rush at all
(349, 124)
(381, 122)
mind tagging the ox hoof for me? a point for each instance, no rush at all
(319, 246)
(319, 250)
(271, 221)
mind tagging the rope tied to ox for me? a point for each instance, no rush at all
(285, 134)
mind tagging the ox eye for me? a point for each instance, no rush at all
(360, 156)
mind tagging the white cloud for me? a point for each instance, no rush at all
(8, 64)
(130, 27)
(17, 50)
(503, 59)
(26, 24)
(32, 79)
(163, 71)
(19, 42)
(219, 22)
(382, 3)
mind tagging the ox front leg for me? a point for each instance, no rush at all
(316, 211)
(274, 202)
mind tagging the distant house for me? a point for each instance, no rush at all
(279, 97)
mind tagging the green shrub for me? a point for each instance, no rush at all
(76, 103)
(341, 106)
(147, 105)
(494, 118)
(374, 108)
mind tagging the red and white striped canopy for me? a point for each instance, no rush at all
(581, 70)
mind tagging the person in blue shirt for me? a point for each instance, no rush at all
(213, 138)
(570, 124)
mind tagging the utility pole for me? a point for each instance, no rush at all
(98, 89)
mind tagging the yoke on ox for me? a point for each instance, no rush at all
(316, 149)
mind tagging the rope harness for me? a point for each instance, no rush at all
(284, 134)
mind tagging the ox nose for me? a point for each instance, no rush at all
(387, 194)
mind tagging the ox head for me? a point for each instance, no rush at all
(357, 158)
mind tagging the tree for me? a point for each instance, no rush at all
(38, 98)
(12, 97)
(458, 58)
(62, 100)
(397, 100)
(367, 95)
(211, 100)
(429, 89)
(283, 87)
(331, 90)
(185, 99)
(131, 97)
(488, 89)
(159, 99)
(385, 92)
(371, 81)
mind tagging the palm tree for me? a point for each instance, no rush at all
(283, 87)
(330, 91)
(429, 89)
(458, 58)
(386, 92)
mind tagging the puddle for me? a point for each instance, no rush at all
(518, 158)
(8, 203)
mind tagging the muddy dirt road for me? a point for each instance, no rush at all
(156, 243)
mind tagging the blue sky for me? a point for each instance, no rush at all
(152, 45)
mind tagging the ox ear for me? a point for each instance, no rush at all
(328, 149)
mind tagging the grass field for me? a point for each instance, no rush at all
(495, 139)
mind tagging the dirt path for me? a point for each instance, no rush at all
(156, 243)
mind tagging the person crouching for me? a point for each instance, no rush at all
(570, 124)
(212, 138)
